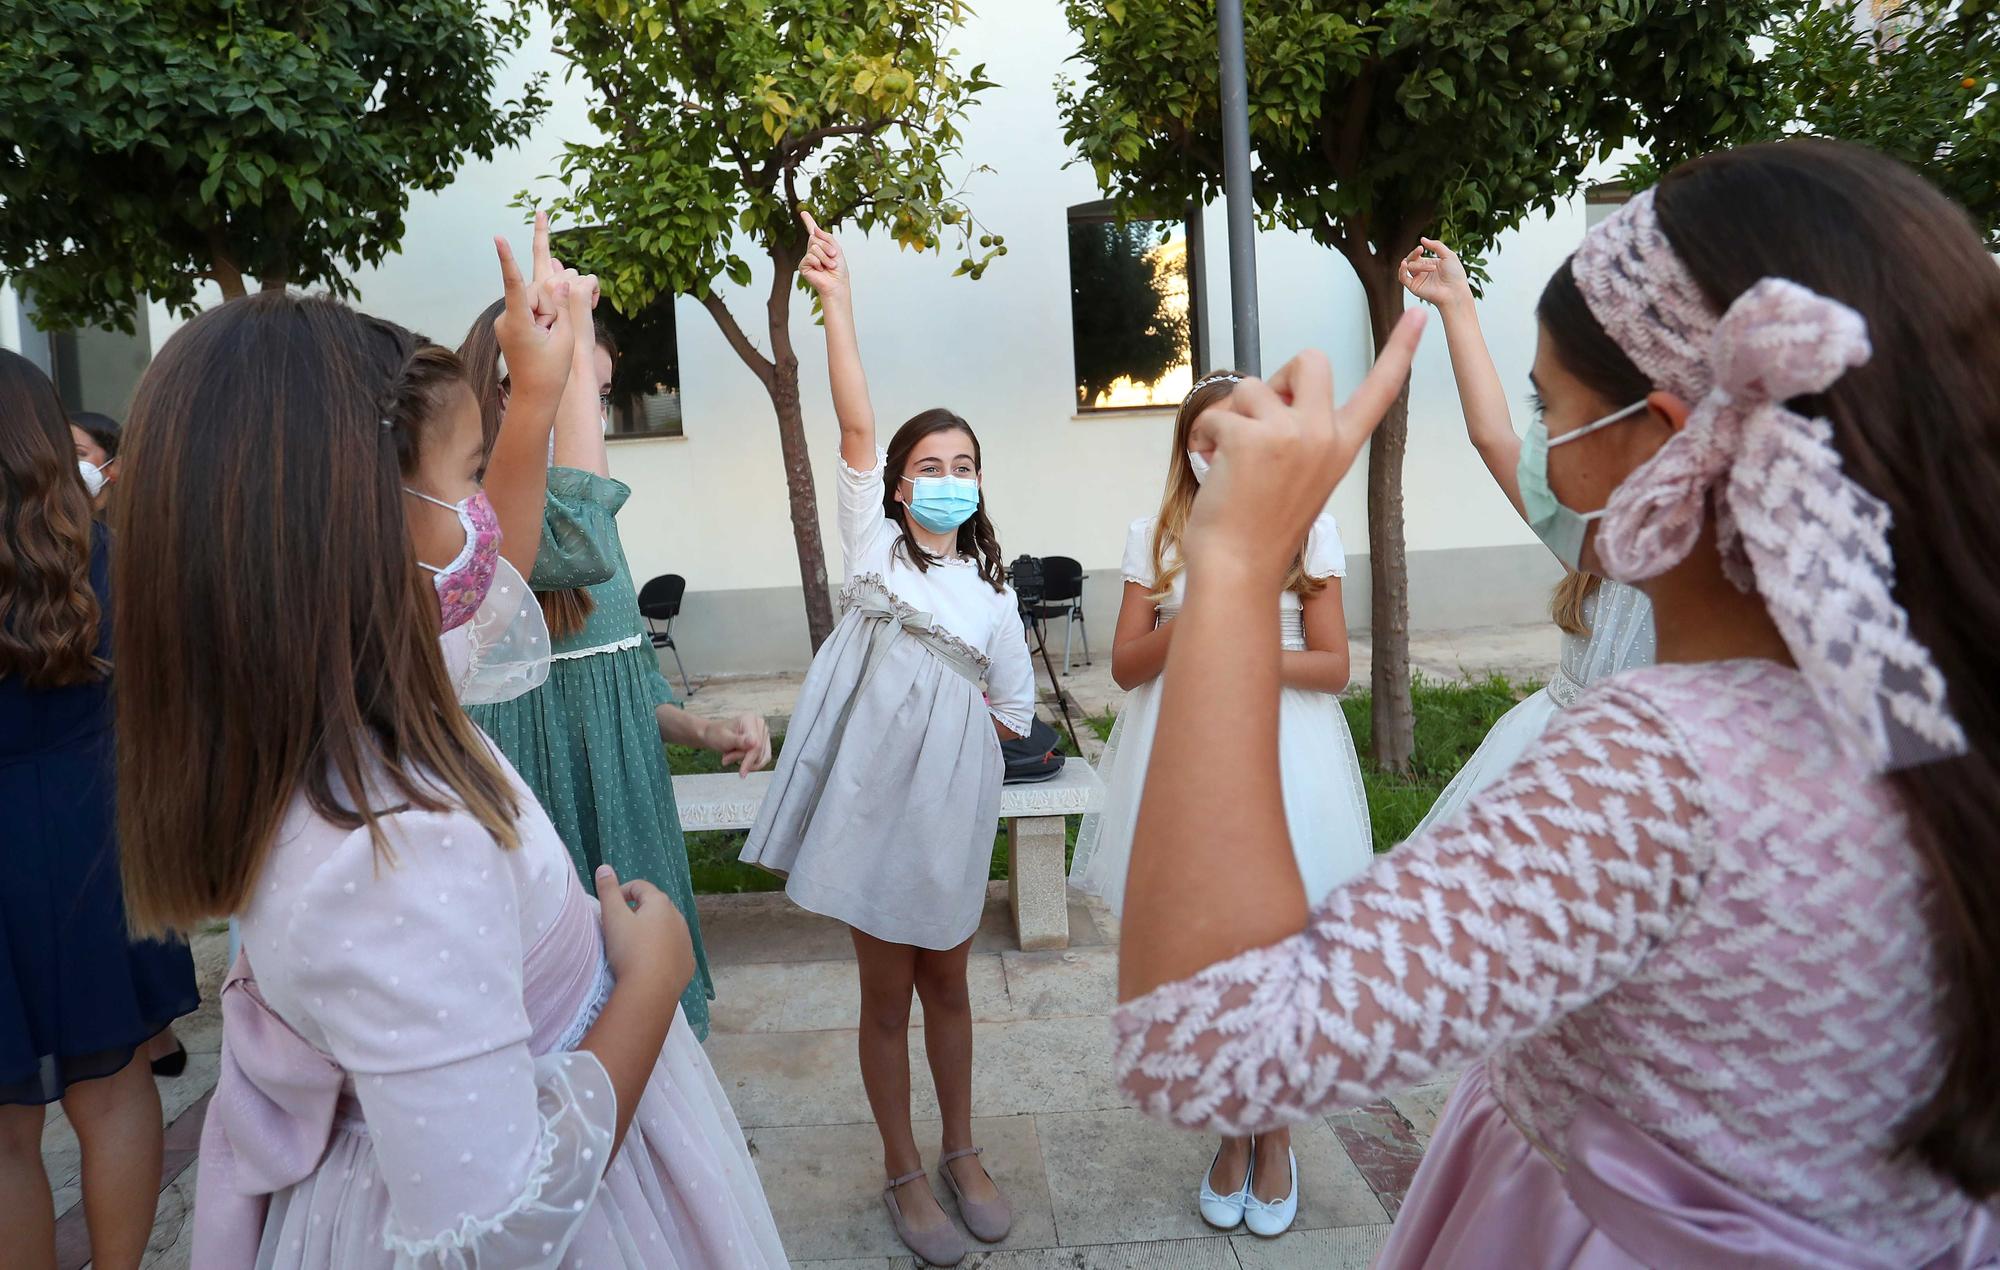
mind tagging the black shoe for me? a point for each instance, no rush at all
(173, 1064)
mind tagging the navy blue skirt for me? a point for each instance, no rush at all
(78, 996)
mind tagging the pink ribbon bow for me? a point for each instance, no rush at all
(268, 1124)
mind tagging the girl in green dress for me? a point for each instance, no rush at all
(591, 741)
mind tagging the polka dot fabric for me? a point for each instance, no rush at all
(465, 1137)
(587, 741)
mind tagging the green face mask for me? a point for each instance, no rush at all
(1560, 529)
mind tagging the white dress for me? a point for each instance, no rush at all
(882, 810)
(1326, 808)
(1620, 621)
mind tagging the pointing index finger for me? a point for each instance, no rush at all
(1378, 391)
(510, 276)
(543, 264)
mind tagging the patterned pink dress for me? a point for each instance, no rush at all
(1682, 948)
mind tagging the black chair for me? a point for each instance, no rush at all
(1062, 597)
(660, 604)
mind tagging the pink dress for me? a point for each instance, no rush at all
(1682, 946)
(399, 1086)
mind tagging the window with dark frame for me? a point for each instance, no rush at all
(1134, 302)
(646, 381)
(645, 397)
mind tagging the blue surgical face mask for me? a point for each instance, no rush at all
(1560, 529)
(942, 503)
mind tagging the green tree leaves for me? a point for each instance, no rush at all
(145, 147)
(1372, 121)
(1922, 86)
(721, 119)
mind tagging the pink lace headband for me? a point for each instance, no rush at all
(1813, 543)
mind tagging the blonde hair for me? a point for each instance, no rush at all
(1179, 497)
(1566, 602)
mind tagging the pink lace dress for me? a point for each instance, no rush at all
(1682, 946)
(400, 1081)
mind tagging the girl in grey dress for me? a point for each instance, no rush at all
(886, 796)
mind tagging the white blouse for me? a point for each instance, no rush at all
(958, 600)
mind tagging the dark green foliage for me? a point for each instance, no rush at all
(145, 147)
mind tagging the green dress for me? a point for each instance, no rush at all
(587, 742)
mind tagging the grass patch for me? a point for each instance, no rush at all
(1452, 719)
(712, 853)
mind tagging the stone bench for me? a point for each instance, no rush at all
(1037, 879)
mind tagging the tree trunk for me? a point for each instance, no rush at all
(1392, 711)
(804, 499)
(222, 266)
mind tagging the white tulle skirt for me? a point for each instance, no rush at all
(1326, 808)
(1505, 742)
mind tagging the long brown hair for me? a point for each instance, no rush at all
(975, 537)
(272, 623)
(50, 620)
(1919, 427)
(564, 610)
(1178, 499)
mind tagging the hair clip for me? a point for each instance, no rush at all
(1219, 377)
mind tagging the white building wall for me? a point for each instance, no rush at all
(711, 505)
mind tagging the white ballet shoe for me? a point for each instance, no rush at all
(1269, 1220)
(1224, 1212)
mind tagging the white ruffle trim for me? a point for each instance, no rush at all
(579, 1115)
(630, 641)
(850, 593)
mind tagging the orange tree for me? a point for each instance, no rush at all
(148, 147)
(1918, 83)
(721, 120)
(1374, 122)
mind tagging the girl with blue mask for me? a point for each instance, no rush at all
(1606, 626)
(886, 797)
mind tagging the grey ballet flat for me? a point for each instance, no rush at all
(990, 1220)
(941, 1247)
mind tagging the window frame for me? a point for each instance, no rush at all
(1108, 211)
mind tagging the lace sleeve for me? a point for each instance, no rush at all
(1541, 895)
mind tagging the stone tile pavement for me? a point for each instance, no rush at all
(1095, 1183)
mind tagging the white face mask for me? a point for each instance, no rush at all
(1200, 466)
(93, 476)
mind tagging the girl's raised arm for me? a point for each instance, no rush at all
(825, 271)
(534, 333)
(1440, 278)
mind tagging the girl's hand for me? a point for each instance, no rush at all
(1277, 449)
(644, 934)
(744, 742)
(1438, 277)
(825, 265)
(534, 330)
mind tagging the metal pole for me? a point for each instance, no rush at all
(1236, 188)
